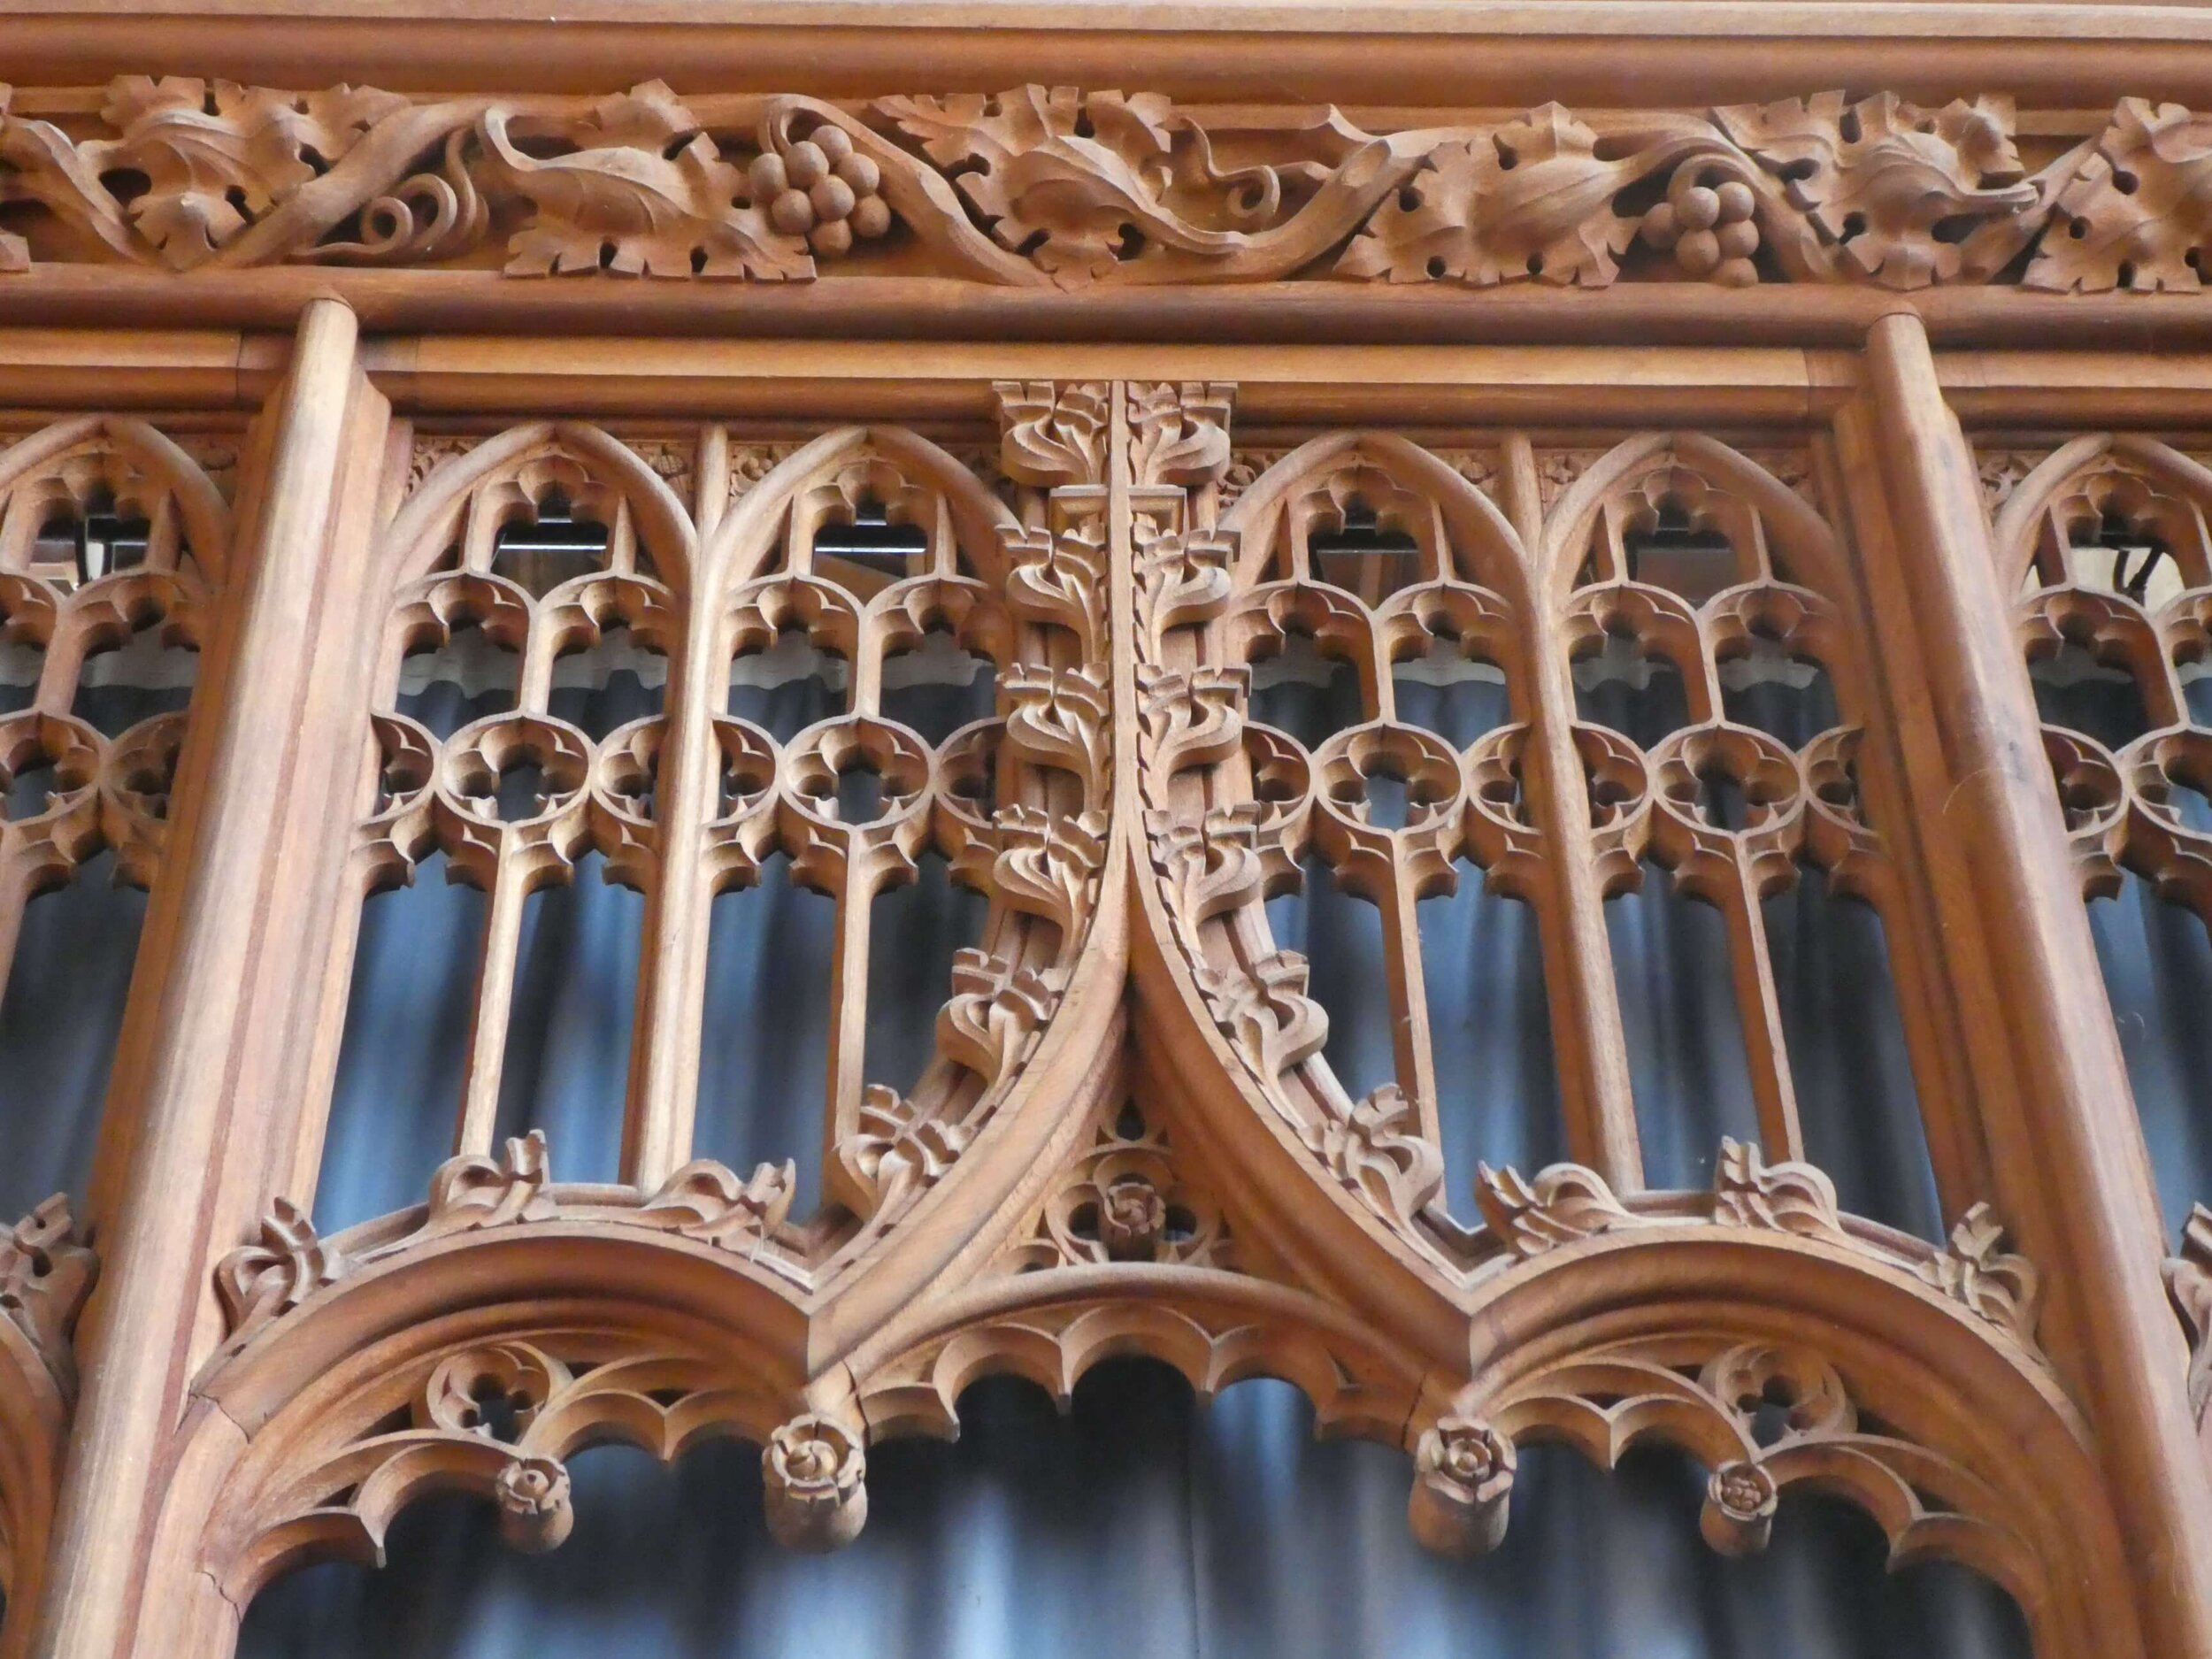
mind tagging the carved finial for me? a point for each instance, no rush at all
(535, 1511)
(1565, 1202)
(2000, 1287)
(816, 1494)
(1787, 1197)
(1740, 1501)
(1463, 1487)
(257, 1282)
(45, 1275)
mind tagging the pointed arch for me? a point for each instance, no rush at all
(1806, 541)
(424, 526)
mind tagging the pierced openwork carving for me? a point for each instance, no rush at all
(1060, 186)
(1760, 1417)
(1131, 1139)
(112, 541)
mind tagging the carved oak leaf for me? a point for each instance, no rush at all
(1046, 188)
(2138, 209)
(704, 1200)
(1531, 200)
(1565, 1202)
(257, 1283)
(1882, 176)
(1371, 1150)
(619, 201)
(45, 1275)
(216, 159)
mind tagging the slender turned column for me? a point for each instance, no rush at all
(2052, 1083)
(208, 1004)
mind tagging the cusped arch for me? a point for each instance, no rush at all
(1477, 531)
(432, 514)
(2016, 530)
(1214, 1328)
(315, 1432)
(143, 467)
(1812, 555)
(737, 548)
(1954, 1437)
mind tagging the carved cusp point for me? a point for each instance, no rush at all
(814, 1470)
(535, 1511)
(1740, 1500)
(1463, 1487)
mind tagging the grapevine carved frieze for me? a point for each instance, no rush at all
(1062, 186)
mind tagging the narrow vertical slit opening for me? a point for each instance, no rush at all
(1687, 1064)
(404, 1051)
(763, 1064)
(566, 1066)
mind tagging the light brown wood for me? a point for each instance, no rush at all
(729, 283)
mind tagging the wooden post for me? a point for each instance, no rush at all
(212, 1000)
(2051, 1082)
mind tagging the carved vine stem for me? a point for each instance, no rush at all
(1058, 186)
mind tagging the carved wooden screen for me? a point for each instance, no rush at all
(1746, 613)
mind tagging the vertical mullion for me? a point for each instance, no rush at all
(1590, 1046)
(212, 1008)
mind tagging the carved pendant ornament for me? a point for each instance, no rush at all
(1129, 1138)
(1062, 186)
